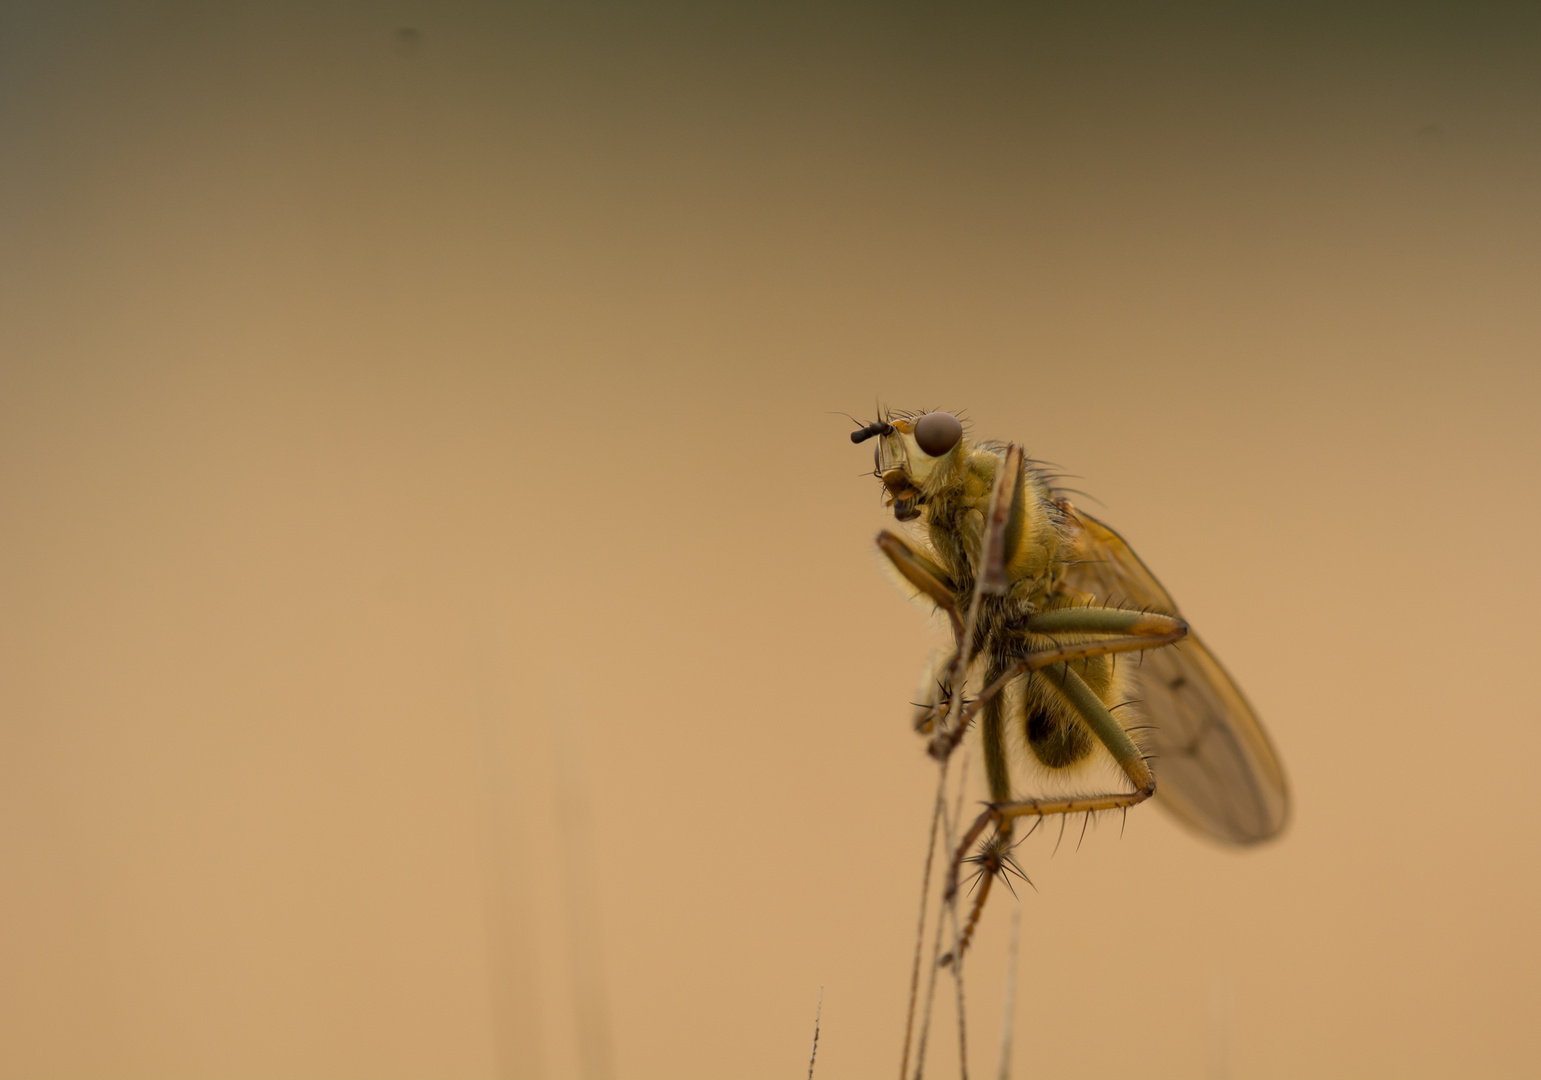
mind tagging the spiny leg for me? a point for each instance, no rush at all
(1109, 732)
(995, 860)
(934, 695)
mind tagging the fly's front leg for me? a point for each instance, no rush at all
(933, 582)
(925, 575)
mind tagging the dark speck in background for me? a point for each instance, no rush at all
(408, 40)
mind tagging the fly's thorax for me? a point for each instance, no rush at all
(1044, 543)
(955, 501)
(995, 640)
(955, 513)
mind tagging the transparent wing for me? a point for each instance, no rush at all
(1215, 768)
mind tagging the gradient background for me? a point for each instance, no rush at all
(439, 628)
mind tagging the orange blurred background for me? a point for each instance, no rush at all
(441, 629)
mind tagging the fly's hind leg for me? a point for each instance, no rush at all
(1132, 631)
(1081, 698)
(1109, 732)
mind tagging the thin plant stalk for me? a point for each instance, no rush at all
(817, 1013)
(920, 925)
(957, 935)
(1009, 996)
(936, 941)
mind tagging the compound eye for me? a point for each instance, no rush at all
(937, 432)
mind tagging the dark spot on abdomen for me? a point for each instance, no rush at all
(1057, 741)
